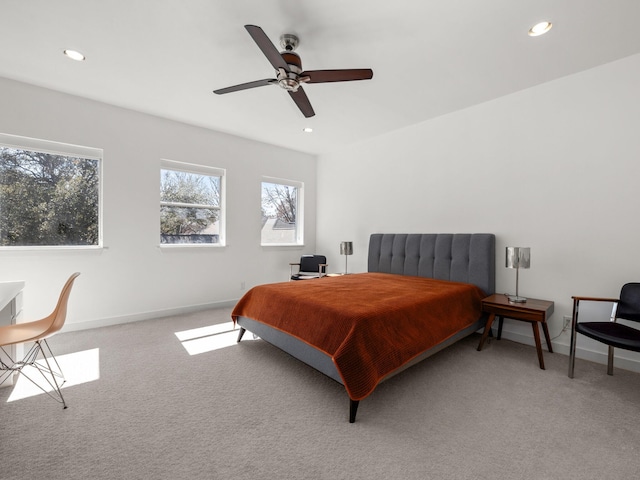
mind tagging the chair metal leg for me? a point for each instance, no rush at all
(48, 373)
(572, 354)
(610, 361)
(51, 355)
(53, 373)
(572, 345)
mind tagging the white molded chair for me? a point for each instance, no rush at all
(37, 331)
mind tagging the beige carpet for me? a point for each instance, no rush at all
(249, 411)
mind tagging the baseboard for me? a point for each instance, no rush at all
(106, 322)
(561, 345)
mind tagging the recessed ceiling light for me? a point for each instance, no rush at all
(307, 129)
(540, 29)
(74, 55)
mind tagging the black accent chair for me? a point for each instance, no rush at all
(309, 267)
(612, 333)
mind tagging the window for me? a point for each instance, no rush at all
(281, 212)
(49, 193)
(191, 210)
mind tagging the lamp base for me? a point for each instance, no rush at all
(516, 299)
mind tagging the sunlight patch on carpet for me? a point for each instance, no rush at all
(209, 338)
(79, 367)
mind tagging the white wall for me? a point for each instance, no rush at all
(555, 168)
(132, 278)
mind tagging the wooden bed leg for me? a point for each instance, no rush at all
(353, 409)
(240, 334)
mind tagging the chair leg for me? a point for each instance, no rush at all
(53, 373)
(7, 370)
(572, 353)
(48, 373)
(51, 355)
(610, 361)
(574, 334)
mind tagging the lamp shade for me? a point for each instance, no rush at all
(346, 248)
(518, 257)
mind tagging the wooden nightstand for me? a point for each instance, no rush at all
(532, 311)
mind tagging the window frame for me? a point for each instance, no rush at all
(66, 150)
(299, 241)
(205, 170)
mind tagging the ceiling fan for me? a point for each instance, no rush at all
(289, 73)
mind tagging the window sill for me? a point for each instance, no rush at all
(55, 248)
(297, 245)
(187, 246)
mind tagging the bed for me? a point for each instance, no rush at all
(420, 294)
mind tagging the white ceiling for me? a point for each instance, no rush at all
(429, 57)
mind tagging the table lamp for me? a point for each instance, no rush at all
(518, 257)
(346, 249)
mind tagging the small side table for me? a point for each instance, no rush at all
(532, 311)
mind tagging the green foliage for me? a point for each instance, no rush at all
(47, 199)
(180, 190)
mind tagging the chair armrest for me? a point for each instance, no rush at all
(595, 299)
(322, 269)
(576, 305)
(291, 265)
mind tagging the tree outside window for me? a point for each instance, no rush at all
(190, 207)
(280, 213)
(48, 199)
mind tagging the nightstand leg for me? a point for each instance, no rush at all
(487, 329)
(536, 335)
(545, 329)
(500, 320)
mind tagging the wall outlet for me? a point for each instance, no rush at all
(566, 321)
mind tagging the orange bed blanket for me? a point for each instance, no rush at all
(370, 324)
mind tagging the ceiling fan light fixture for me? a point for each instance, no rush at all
(288, 80)
(540, 29)
(74, 55)
(289, 84)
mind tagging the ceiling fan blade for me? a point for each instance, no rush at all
(268, 48)
(245, 86)
(303, 102)
(322, 76)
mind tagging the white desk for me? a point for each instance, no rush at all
(10, 311)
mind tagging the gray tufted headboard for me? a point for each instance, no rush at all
(459, 257)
